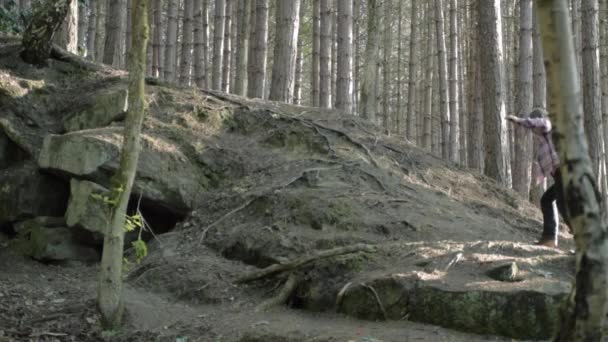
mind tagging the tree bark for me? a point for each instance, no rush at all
(587, 306)
(170, 42)
(100, 28)
(476, 141)
(110, 279)
(257, 83)
(157, 69)
(411, 89)
(297, 88)
(345, 56)
(283, 67)
(370, 73)
(240, 86)
(540, 100)
(113, 28)
(454, 90)
(91, 29)
(496, 164)
(251, 64)
(46, 19)
(386, 67)
(227, 46)
(427, 141)
(186, 53)
(218, 43)
(316, 54)
(443, 79)
(67, 36)
(325, 56)
(82, 28)
(524, 100)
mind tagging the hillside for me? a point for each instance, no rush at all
(232, 185)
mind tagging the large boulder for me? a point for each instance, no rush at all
(25, 192)
(165, 176)
(86, 208)
(43, 239)
(98, 110)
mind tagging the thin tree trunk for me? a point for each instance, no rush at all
(258, 81)
(577, 32)
(443, 79)
(218, 43)
(251, 64)
(357, 54)
(110, 279)
(454, 91)
(524, 100)
(227, 46)
(171, 42)
(411, 89)
(91, 29)
(233, 44)
(283, 67)
(334, 54)
(540, 101)
(186, 58)
(316, 54)
(82, 28)
(496, 163)
(427, 141)
(157, 39)
(325, 56)
(370, 73)
(297, 88)
(240, 86)
(476, 141)
(345, 56)
(100, 28)
(587, 306)
(387, 51)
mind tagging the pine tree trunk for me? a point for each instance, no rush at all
(218, 43)
(113, 29)
(186, 52)
(604, 83)
(283, 67)
(587, 306)
(46, 19)
(386, 66)
(370, 73)
(345, 56)
(82, 28)
(240, 86)
(592, 93)
(91, 29)
(157, 70)
(334, 54)
(357, 55)
(475, 127)
(67, 36)
(427, 125)
(227, 46)
(524, 100)
(110, 279)
(129, 34)
(464, 108)
(151, 29)
(258, 82)
(540, 100)
(316, 53)
(297, 87)
(411, 89)
(496, 154)
(171, 42)
(443, 79)
(100, 28)
(233, 44)
(325, 55)
(577, 32)
(251, 64)
(454, 91)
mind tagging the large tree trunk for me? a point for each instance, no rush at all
(454, 90)
(386, 60)
(524, 99)
(111, 49)
(592, 93)
(344, 90)
(325, 55)
(67, 36)
(316, 54)
(186, 59)
(91, 29)
(171, 42)
(38, 35)
(251, 64)
(82, 28)
(110, 278)
(370, 73)
(100, 28)
(587, 306)
(475, 127)
(443, 79)
(218, 43)
(257, 82)
(284, 65)
(157, 68)
(240, 85)
(496, 162)
(411, 89)
(201, 41)
(227, 46)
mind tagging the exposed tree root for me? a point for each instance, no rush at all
(286, 291)
(380, 305)
(293, 264)
(221, 219)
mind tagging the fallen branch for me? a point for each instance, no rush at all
(288, 288)
(380, 305)
(278, 268)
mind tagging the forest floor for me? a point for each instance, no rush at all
(417, 236)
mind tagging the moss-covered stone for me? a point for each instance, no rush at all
(98, 111)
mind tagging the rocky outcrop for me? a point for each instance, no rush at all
(25, 192)
(86, 207)
(164, 176)
(98, 110)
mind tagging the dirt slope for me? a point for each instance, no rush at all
(278, 182)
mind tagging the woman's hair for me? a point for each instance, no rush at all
(537, 113)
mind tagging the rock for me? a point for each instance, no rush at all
(165, 176)
(505, 272)
(98, 110)
(25, 192)
(84, 209)
(53, 244)
(42, 221)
